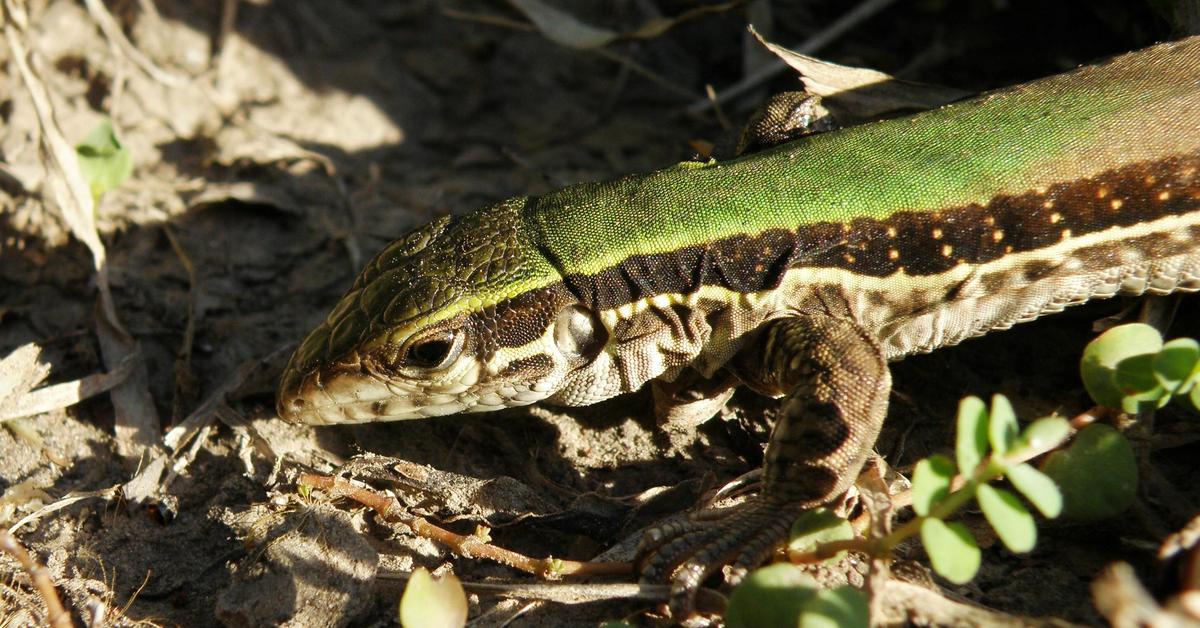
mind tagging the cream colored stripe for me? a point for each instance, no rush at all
(801, 276)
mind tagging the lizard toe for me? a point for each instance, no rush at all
(669, 547)
(686, 553)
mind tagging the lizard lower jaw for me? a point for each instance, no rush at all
(364, 412)
(341, 396)
(327, 399)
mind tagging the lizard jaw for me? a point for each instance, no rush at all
(332, 396)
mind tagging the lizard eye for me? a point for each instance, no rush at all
(434, 352)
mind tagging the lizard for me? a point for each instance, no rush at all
(799, 271)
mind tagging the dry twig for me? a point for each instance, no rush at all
(56, 615)
(185, 379)
(468, 546)
(112, 31)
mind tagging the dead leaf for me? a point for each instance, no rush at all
(563, 28)
(859, 94)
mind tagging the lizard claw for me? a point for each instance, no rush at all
(685, 553)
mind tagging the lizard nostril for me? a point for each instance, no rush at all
(289, 409)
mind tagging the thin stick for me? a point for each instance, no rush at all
(183, 357)
(467, 546)
(112, 31)
(56, 615)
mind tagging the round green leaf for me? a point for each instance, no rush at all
(105, 162)
(774, 595)
(1097, 474)
(931, 483)
(843, 607)
(972, 434)
(1195, 397)
(951, 548)
(1138, 384)
(433, 603)
(1002, 425)
(1038, 488)
(1012, 522)
(1177, 366)
(1045, 434)
(818, 526)
(1101, 356)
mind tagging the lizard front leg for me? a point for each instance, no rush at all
(837, 382)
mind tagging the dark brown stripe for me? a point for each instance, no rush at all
(521, 320)
(919, 242)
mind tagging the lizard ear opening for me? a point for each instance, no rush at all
(579, 333)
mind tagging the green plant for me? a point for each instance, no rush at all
(105, 162)
(952, 549)
(783, 595)
(1097, 474)
(989, 446)
(1130, 367)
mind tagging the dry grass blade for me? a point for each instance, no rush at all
(67, 184)
(137, 420)
(137, 427)
(183, 433)
(56, 615)
(67, 393)
(484, 18)
(63, 502)
(659, 25)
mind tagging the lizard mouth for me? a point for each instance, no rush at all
(342, 394)
(334, 396)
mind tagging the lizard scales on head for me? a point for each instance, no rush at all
(800, 270)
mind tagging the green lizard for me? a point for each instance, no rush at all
(797, 271)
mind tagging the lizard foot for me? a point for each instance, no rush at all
(685, 553)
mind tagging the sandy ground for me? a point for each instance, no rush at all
(276, 149)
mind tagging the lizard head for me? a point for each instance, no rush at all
(462, 315)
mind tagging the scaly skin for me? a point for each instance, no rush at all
(797, 271)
